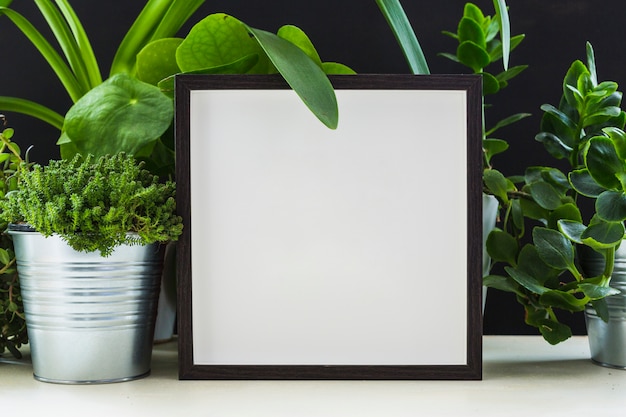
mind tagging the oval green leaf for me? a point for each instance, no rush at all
(611, 206)
(157, 60)
(554, 248)
(603, 162)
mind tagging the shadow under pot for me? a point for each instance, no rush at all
(90, 319)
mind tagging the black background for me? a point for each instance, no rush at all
(355, 33)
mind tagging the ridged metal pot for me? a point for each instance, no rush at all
(90, 318)
(607, 341)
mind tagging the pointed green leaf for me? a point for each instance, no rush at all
(591, 63)
(571, 79)
(554, 145)
(568, 211)
(531, 263)
(527, 281)
(507, 121)
(501, 283)
(618, 136)
(471, 11)
(305, 78)
(554, 248)
(505, 30)
(494, 147)
(596, 292)
(602, 309)
(496, 183)
(403, 31)
(490, 84)
(545, 195)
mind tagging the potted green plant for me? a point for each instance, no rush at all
(88, 236)
(131, 110)
(573, 211)
(13, 332)
(482, 42)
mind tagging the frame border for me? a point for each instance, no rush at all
(472, 370)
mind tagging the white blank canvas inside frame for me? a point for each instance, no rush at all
(313, 246)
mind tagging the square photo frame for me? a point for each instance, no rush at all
(313, 253)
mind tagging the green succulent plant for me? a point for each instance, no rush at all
(586, 130)
(95, 204)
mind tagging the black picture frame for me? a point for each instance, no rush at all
(452, 298)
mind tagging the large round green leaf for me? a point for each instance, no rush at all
(157, 60)
(584, 184)
(121, 114)
(217, 40)
(603, 235)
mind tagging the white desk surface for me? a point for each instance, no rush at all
(522, 376)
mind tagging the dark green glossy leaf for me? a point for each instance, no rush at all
(562, 300)
(501, 283)
(531, 263)
(517, 214)
(596, 292)
(502, 247)
(473, 56)
(554, 248)
(527, 281)
(558, 114)
(494, 147)
(533, 210)
(618, 136)
(572, 229)
(545, 195)
(611, 206)
(584, 184)
(603, 235)
(601, 116)
(603, 162)
(568, 211)
(496, 183)
(571, 78)
(554, 332)
(554, 145)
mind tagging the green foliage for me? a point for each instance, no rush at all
(12, 321)
(95, 204)
(149, 52)
(586, 130)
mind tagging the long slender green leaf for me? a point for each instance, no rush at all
(139, 35)
(179, 12)
(66, 40)
(302, 74)
(84, 45)
(505, 30)
(33, 109)
(401, 27)
(58, 65)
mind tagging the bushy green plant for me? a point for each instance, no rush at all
(95, 204)
(586, 130)
(13, 332)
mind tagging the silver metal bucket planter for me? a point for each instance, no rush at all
(607, 341)
(90, 319)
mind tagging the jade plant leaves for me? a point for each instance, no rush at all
(125, 114)
(603, 162)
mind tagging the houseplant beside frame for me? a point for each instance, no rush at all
(87, 236)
